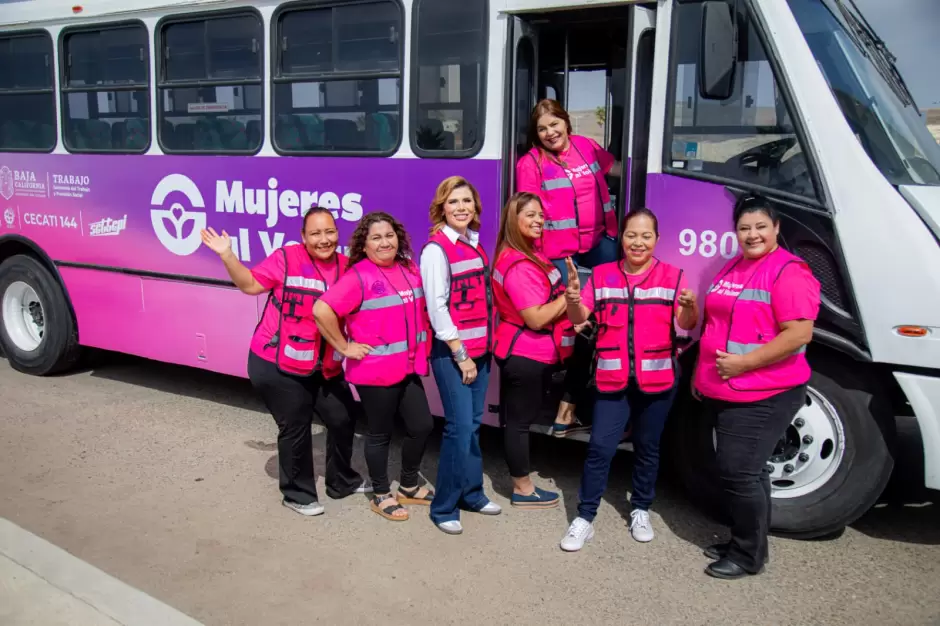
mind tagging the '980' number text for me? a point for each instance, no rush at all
(707, 243)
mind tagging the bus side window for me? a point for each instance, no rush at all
(27, 93)
(749, 137)
(106, 89)
(337, 79)
(209, 80)
(448, 77)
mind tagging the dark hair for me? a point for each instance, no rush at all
(315, 210)
(357, 243)
(546, 107)
(637, 213)
(509, 235)
(754, 204)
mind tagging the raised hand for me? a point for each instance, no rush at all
(687, 299)
(573, 290)
(215, 242)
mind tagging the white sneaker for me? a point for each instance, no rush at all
(580, 532)
(491, 508)
(365, 487)
(314, 508)
(452, 527)
(640, 526)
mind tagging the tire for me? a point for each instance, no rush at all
(57, 347)
(842, 405)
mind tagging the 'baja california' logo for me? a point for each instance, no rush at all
(176, 215)
(6, 182)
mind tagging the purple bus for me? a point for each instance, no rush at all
(126, 127)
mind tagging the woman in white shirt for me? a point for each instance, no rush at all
(456, 277)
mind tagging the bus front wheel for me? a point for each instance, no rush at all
(827, 469)
(37, 332)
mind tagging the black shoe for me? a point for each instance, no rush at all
(728, 570)
(717, 551)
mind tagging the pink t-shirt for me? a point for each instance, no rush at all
(270, 274)
(590, 207)
(345, 298)
(527, 285)
(795, 296)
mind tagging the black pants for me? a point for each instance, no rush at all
(522, 385)
(292, 400)
(380, 405)
(747, 434)
(577, 386)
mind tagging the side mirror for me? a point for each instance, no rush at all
(719, 52)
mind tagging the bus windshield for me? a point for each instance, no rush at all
(870, 91)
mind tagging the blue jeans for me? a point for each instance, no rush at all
(460, 470)
(612, 412)
(604, 252)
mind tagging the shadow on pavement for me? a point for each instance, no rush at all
(908, 513)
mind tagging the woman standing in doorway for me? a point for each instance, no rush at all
(567, 172)
(532, 337)
(296, 372)
(456, 277)
(381, 299)
(752, 373)
(638, 303)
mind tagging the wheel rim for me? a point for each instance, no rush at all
(23, 316)
(810, 451)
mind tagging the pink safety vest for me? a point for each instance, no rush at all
(636, 330)
(753, 324)
(471, 299)
(561, 236)
(511, 324)
(381, 322)
(301, 350)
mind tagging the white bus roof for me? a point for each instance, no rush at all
(36, 13)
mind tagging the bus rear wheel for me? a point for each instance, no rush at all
(828, 468)
(37, 332)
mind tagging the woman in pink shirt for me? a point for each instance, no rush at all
(381, 300)
(568, 172)
(532, 337)
(752, 373)
(293, 388)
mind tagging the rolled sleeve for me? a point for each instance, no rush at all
(435, 275)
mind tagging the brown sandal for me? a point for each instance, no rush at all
(387, 511)
(409, 496)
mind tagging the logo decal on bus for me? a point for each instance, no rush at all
(6, 182)
(9, 216)
(177, 215)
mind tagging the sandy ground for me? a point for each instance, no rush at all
(164, 477)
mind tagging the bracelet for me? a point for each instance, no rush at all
(461, 354)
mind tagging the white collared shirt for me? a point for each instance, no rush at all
(435, 276)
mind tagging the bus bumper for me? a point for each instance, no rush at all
(923, 392)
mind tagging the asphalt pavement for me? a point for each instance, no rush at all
(164, 478)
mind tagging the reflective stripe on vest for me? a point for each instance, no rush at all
(388, 301)
(300, 350)
(636, 333)
(470, 294)
(387, 324)
(752, 324)
(561, 236)
(511, 324)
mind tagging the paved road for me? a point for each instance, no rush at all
(164, 477)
